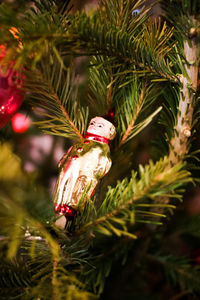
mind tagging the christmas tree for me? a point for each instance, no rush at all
(134, 63)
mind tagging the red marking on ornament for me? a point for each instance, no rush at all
(92, 194)
(57, 207)
(96, 137)
(66, 210)
(80, 149)
(74, 157)
(86, 142)
(20, 123)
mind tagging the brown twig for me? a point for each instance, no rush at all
(109, 93)
(119, 19)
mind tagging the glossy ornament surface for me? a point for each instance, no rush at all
(83, 166)
(11, 96)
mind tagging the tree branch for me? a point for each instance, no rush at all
(119, 19)
(182, 131)
(132, 123)
(62, 108)
(109, 92)
(68, 117)
(179, 143)
(140, 194)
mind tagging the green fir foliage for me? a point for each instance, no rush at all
(55, 94)
(134, 63)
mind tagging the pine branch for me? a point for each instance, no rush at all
(135, 49)
(65, 284)
(180, 271)
(13, 274)
(66, 114)
(135, 113)
(39, 26)
(54, 280)
(109, 92)
(103, 87)
(45, 262)
(119, 19)
(120, 13)
(52, 90)
(132, 123)
(179, 144)
(130, 43)
(122, 200)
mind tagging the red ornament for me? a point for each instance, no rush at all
(20, 123)
(10, 96)
(66, 210)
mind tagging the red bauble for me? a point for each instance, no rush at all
(11, 96)
(69, 212)
(20, 123)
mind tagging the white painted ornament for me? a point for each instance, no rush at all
(81, 168)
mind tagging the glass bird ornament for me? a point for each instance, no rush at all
(81, 168)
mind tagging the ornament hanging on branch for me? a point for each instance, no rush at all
(81, 168)
(11, 96)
